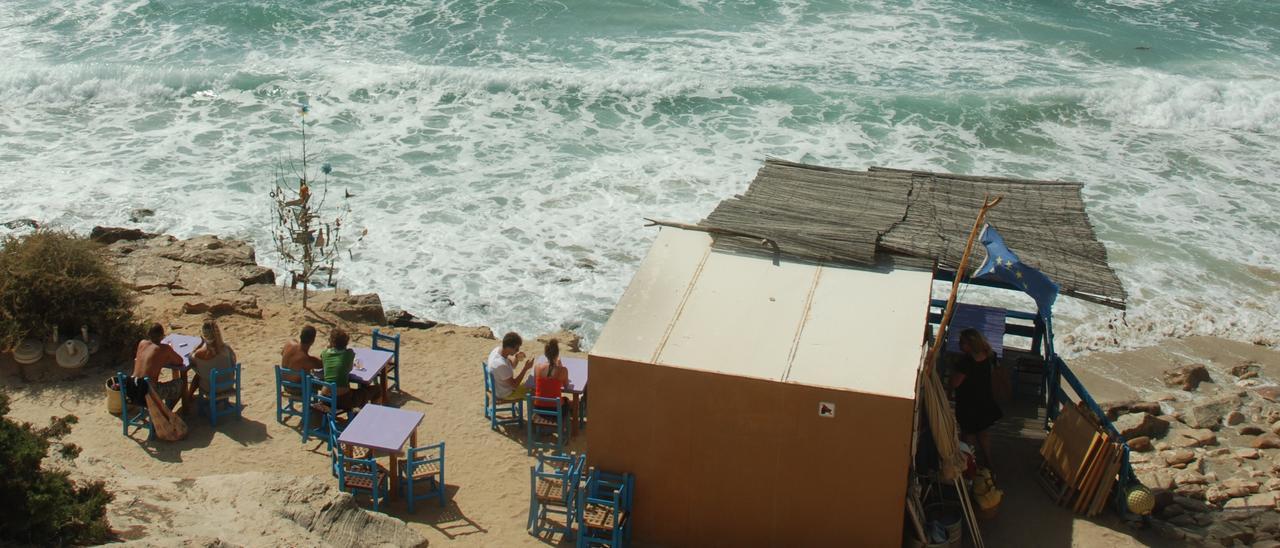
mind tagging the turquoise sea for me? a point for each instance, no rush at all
(503, 153)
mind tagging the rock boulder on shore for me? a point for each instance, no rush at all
(1209, 413)
(1187, 377)
(1135, 425)
(362, 308)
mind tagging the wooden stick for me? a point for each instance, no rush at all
(987, 203)
(713, 230)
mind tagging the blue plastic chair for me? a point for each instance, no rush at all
(553, 491)
(513, 407)
(543, 419)
(335, 431)
(288, 404)
(316, 401)
(604, 509)
(422, 475)
(140, 417)
(225, 384)
(389, 343)
(359, 474)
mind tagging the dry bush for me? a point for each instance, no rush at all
(54, 278)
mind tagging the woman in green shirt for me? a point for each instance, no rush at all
(337, 361)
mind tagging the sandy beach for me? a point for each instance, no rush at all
(262, 486)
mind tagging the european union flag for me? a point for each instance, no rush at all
(1003, 265)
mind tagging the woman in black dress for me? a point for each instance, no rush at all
(976, 408)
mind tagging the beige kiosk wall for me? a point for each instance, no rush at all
(724, 460)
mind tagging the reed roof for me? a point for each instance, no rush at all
(890, 216)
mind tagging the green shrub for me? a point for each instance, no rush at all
(44, 507)
(51, 278)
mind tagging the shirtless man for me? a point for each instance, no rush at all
(152, 356)
(297, 356)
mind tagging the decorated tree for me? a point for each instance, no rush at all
(308, 238)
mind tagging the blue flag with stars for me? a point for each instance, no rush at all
(1003, 265)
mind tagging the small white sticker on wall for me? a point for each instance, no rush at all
(826, 409)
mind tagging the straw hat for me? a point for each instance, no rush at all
(28, 351)
(72, 354)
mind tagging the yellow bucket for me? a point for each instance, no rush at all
(113, 396)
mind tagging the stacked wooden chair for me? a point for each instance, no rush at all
(553, 491)
(604, 509)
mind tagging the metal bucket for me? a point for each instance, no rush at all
(951, 516)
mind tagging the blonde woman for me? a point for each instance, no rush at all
(212, 354)
(976, 408)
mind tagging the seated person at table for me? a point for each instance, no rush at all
(212, 354)
(550, 378)
(296, 356)
(152, 355)
(506, 384)
(337, 360)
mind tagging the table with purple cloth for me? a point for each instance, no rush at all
(384, 430)
(371, 364)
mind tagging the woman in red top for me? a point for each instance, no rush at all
(550, 377)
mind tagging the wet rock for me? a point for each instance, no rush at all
(1115, 409)
(138, 214)
(361, 308)
(1202, 436)
(1157, 480)
(403, 319)
(1247, 453)
(1187, 377)
(1209, 414)
(1217, 494)
(1261, 501)
(1180, 456)
(1135, 425)
(1250, 430)
(1238, 487)
(1269, 393)
(1273, 484)
(253, 275)
(17, 224)
(108, 235)
(1233, 418)
(1141, 444)
(211, 251)
(1275, 428)
(1163, 446)
(1189, 477)
(1266, 441)
(1184, 520)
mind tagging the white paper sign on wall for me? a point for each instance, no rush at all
(826, 409)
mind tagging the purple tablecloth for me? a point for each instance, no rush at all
(577, 374)
(184, 345)
(372, 361)
(381, 428)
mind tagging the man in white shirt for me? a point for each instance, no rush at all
(501, 364)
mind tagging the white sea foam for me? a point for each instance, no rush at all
(503, 171)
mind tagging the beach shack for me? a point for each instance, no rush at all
(761, 375)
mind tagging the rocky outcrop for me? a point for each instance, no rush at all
(363, 308)
(405, 320)
(1187, 377)
(569, 341)
(247, 509)
(204, 265)
(1116, 408)
(244, 305)
(1209, 414)
(1135, 425)
(108, 235)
